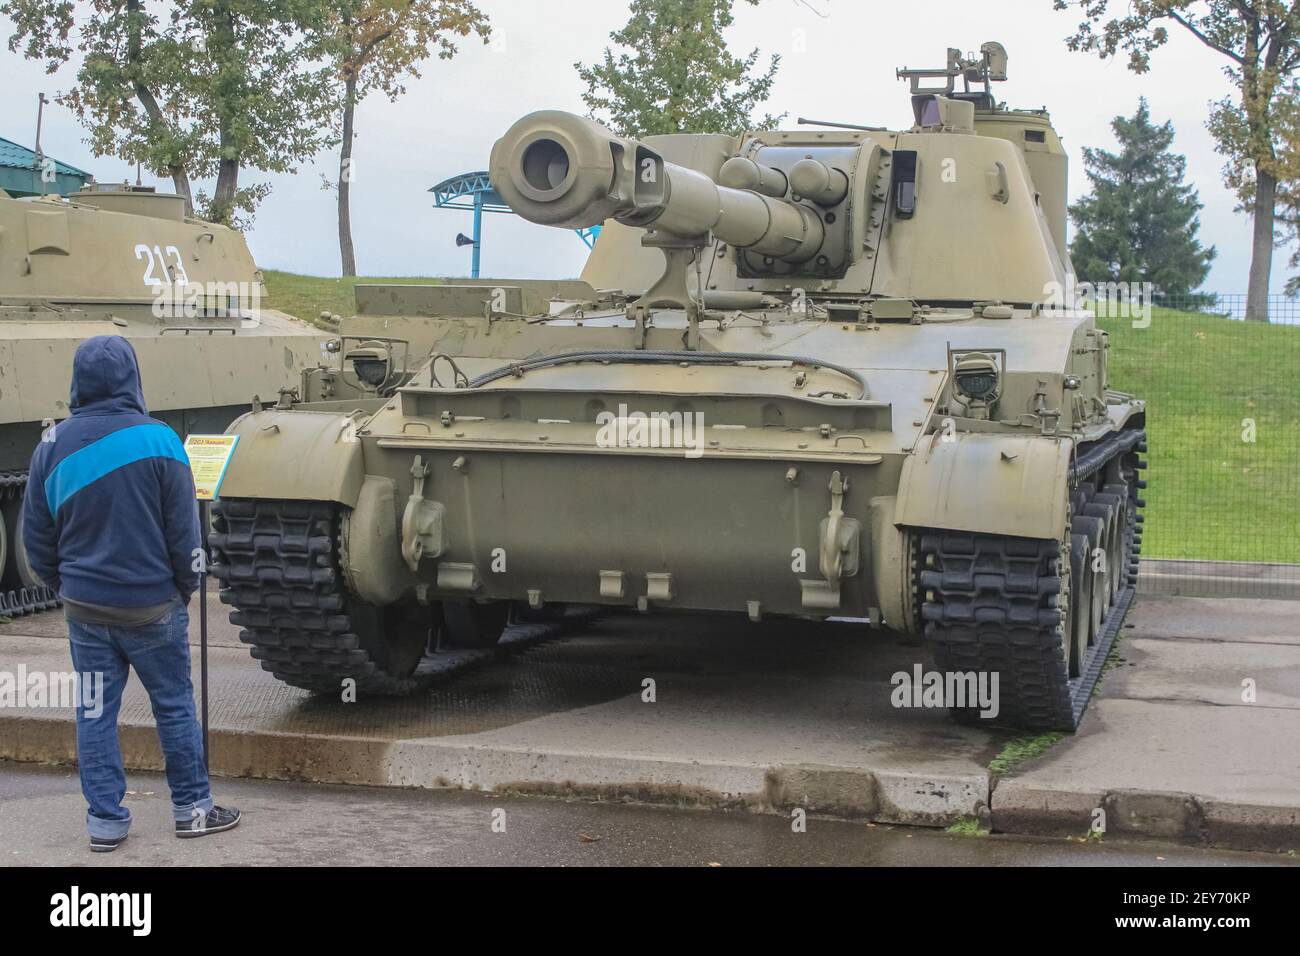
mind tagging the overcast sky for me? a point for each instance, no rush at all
(837, 66)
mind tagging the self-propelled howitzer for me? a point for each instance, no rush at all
(817, 372)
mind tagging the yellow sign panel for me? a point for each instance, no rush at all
(209, 456)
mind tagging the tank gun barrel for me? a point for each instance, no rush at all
(559, 169)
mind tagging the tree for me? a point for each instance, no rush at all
(377, 45)
(1139, 223)
(1258, 39)
(190, 89)
(1286, 122)
(674, 74)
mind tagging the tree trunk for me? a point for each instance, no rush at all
(180, 178)
(223, 197)
(181, 183)
(1261, 255)
(346, 250)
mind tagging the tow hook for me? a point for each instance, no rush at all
(423, 521)
(839, 551)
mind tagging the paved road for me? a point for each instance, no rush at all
(781, 714)
(41, 812)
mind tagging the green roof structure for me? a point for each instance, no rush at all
(22, 175)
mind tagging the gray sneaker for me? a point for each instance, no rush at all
(105, 844)
(216, 820)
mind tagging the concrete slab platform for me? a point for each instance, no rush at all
(1194, 734)
(1235, 620)
(769, 717)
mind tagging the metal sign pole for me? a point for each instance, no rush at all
(208, 455)
(203, 625)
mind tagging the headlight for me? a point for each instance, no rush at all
(371, 365)
(977, 377)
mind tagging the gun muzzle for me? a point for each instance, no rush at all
(559, 169)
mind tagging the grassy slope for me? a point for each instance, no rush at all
(1211, 495)
(308, 296)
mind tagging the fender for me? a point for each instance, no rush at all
(297, 455)
(991, 484)
(372, 545)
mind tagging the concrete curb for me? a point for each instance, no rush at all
(1187, 578)
(845, 792)
(1172, 816)
(1012, 807)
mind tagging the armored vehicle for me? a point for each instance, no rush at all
(813, 373)
(127, 261)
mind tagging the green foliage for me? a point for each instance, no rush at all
(1020, 749)
(190, 88)
(1139, 223)
(236, 210)
(1212, 495)
(379, 44)
(1253, 129)
(1259, 38)
(673, 73)
(967, 827)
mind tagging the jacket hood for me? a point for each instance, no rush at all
(106, 377)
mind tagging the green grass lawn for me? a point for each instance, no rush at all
(1212, 494)
(308, 296)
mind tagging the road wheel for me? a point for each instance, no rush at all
(1120, 569)
(1115, 528)
(1079, 611)
(394, 636)
(474, 624)
(4, 551)
(16, 572)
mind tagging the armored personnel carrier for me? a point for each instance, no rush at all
(810, 373)
(127, 261)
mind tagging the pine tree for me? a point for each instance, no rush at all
(1140, 221)
(674, 74)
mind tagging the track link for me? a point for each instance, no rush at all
(278, 565)
(15, 602)
(995, 604)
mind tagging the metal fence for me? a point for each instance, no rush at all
(1223, 419)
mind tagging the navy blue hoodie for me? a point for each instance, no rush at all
(109, 516)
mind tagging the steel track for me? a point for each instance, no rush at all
(278, 564)
(19, 601)
(992, 604)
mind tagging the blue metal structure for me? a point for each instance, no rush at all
(474, 191)
(470, 191)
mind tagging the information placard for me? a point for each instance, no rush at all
(209, 457)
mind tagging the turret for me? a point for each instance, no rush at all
(966, 206)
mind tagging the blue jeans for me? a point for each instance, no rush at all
(160, 654)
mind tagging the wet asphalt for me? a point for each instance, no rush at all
(41, 816)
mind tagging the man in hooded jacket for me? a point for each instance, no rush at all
(110, 521)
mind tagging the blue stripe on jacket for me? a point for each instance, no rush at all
(116, 449)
